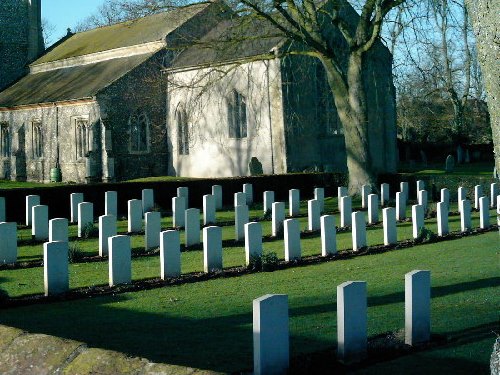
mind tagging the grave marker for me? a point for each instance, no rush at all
(58, 230)
(494, 192)
(2, 210)
(107, 229)
(313, 207)
(445, 197)
(278, 216)
(400, 206)
(212, 249)
(209, 209)
(153, 229)
(178, 211)
(40, 222)
(351, 321)
(271, 335)
(120, 266)
(31, 201)
(423, 199)
(328, 235)
(462, 195)
(420, 185)
(192, 228)
(170, 254)
(478, 193)
(405, 189)
(217, 193)
(358, 230)
(465, 215)
(442, 219)
(390, 227)
(384, 194)
(484, 213)
(345, 212)
(294, 202)
(365, 191)
(148, 200)
(319, 195)
(248, 190)
(372, 208)
(134, 215)
(75, 200)
(417, 217)
(241, 217)
(184, 192)
(292, 240)
(111, 203)
(240, 199)
(253, 241)
(417, 307)
(268, 201)
(8, 244)
(55, 268)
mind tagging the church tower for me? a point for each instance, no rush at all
(21, 40)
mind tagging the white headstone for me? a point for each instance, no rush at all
(107, 229)
(75, 200)
(465, 216)
(217, 193)
(2, 210)
(294, 202)
(58, 230)
(390, 227)
(278, 216)
(148, 200)
(478, 193)
(372, 208)
(405, 189)
(40, 222)
(328, 235)
(134, 215)
(31, 201)
(351, 321)
(313, 214)
(170, 254)
(192, 229)
(365, 191)
(342, 192)
(462, 195)
(241, 217)
(253, 241)
(484, 213)
(55, 268)
(417, 307)
(442, 219)
(400, 206)
(209, 209)
(268, 201)
(384, 194)
(345, 212)
(248, 190)
(358, 230)
(111, 203)
(445, 197)
(178, 211)
(184, 192)
(8, 244)
(240, 199)
(423, 199)
(85, 216)
(212, 249)
(153, 229)
(292, 239)
(120, 265)
(417, 216)
(420, 185)
(494, 192)
(319, 195)
(271, 346)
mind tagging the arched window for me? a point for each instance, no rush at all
(139, 132)
(4, 140)
(82, 137)
(36, 139)
(182, 132)
(237, 115)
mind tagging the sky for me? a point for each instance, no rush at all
(67, 13)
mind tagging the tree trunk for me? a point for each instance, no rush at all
(484, 16)
(351, 107)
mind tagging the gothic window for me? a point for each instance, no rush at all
(237, 115)
(182, 132)
(328, 120)
(82, 137)
(36, 139)
(139, 132)
(4, 140)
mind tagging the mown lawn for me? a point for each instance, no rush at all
(209, 324)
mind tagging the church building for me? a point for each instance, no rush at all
(145, 98)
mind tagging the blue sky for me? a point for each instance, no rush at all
(67, 13)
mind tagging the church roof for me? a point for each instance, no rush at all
(67, 84)
(125, 34)
(231, 40)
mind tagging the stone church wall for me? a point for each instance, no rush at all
(138, 92)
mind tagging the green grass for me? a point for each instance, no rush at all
(470, 169)
(209, 324)
(7, 184)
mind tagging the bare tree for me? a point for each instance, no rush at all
(484, 15)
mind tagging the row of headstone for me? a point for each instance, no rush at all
(271, 343)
